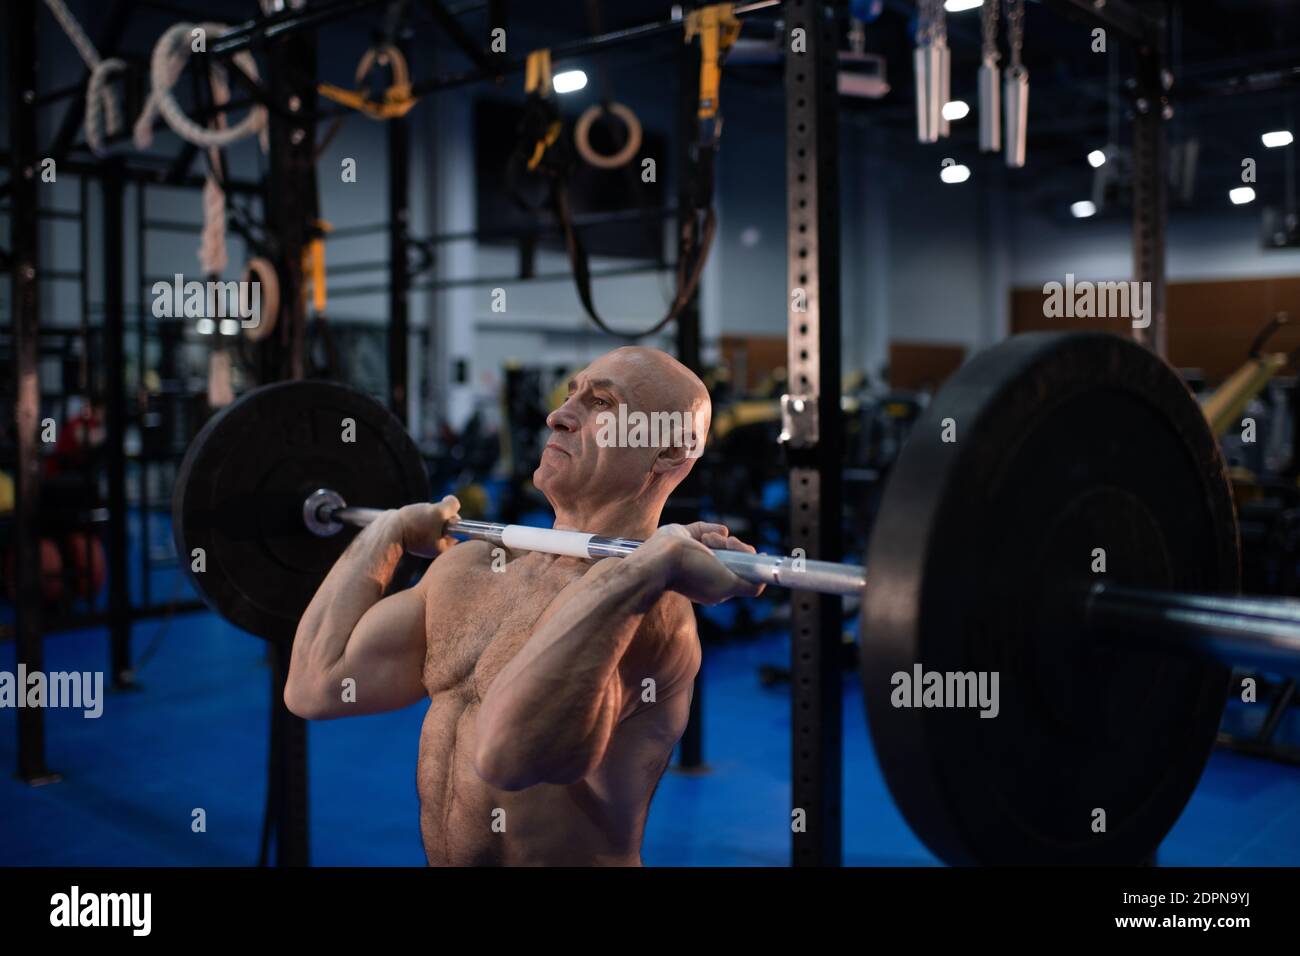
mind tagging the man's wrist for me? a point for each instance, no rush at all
(655, 566)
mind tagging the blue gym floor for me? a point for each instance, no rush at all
(194, 735)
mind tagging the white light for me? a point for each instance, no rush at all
(205, 326)
(955, 110)
(1279, 137)
(570, 81)
(1241, 195)
(955, 174)
(1083, 209)
(229, 326)
(1096, 158)
(957, 6)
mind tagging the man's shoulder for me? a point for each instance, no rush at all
(457, 562)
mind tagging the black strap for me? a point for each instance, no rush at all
(693, 243)
(695, 236)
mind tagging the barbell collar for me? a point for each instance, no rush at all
(326, 510)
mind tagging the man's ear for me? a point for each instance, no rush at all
(671, 458)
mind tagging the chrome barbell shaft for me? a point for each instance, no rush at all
(1229, 628)
(325, 513)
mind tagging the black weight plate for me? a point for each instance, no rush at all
(241, 485)
(1064, 443)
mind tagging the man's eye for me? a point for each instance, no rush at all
(600, 401)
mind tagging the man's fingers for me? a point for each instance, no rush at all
(699, 529)
(735, 544)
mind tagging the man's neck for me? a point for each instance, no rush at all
(619, 520)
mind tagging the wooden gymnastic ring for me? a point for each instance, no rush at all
(582, 134)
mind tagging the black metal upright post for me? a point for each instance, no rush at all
(691, 752)
(399, 280)
(291, 201)
(141, 370)
(1144, 27)
(1150, 190)
(811, 418)
(24, 236)
(112, 185)
(291, 204)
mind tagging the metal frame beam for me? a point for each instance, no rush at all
(24, 285)
(813, 425)
(1150, 191)
(691, 747)
(112, 187)
(399, 277)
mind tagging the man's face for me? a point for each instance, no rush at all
(575, 465)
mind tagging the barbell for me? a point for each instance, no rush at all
(1058, 528)
(325, 513)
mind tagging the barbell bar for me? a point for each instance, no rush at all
(1075, 538)
(326, 513)
(1227, 628)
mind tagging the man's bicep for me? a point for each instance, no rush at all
(384, 659)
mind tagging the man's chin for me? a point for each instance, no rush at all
(542, 476)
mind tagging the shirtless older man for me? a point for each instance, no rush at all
(542, 743)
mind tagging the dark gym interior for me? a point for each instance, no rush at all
(999, 301)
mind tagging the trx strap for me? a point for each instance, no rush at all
(539, 148)
(397, 100)
(313, 276)
(717, 28)
(313, 264)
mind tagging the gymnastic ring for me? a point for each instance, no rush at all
(385, 55)
(269, 304)
(582, 133)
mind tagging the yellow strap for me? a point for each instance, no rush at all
(313, 265)
(1224, 406)
(543, 144)
(537, 73)
(397, 101)
(718, 28)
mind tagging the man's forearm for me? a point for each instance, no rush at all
(357, 580)
(549, 712)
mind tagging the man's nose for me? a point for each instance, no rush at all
(562, 419)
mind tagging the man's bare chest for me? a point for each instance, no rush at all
(482, 617)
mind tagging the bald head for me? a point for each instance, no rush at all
(596, 456)
(666, 384)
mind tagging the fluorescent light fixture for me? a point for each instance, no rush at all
(955, 110)
(1278, 137)
(955, 174)
(1096, 158)
(229, 326)
(959, 6)
(205, 326)
(1241, 195)
(1083, 209)
(570, 81)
